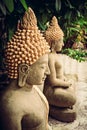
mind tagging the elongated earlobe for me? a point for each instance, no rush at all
(23, 73)
(52, 46)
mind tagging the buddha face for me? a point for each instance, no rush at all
(38, 71)
(58, 44)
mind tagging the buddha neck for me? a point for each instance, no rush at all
(14, 85)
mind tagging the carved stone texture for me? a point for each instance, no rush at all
(26, 45)
(54, 32)
(60, 91)
(22, 105)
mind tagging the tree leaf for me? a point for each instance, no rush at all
(68, 15)
(9, 4)
(74, 29)
(58, 5)
(42, 27)
(10, 33)
(2, 7)
(69, 4)
(23, 2)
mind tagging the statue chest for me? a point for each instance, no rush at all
(35, 110)
(23, 102)
(27, 106)
(59, 66)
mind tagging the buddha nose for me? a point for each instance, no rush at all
(47, 72)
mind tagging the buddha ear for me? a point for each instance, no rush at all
(23, 71)
(52, 45)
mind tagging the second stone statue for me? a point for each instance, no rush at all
(60, 92)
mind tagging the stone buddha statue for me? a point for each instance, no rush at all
(22, 105)
(59, 90)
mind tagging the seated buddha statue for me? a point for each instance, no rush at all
(22, 105)
(59, 91)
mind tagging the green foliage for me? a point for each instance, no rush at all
(75, 18)
(23, 2)
(12, 10)
(68, 12)
(2, 8)
(79, 55)
(58, 5)
(72, 17)
(9, 4)
(77, 30)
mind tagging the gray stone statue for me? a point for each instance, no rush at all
(59, 90)
(22, 105)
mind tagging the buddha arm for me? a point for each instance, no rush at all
(55, 82)
(53, 77)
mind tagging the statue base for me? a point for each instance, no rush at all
(63, 114)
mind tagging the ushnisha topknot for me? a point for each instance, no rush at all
(53, 32)
(29, 20)
(26, 46)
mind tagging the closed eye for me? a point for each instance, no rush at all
(42, 67)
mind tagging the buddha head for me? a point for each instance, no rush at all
(26, 52)
(54, 35)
